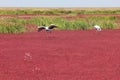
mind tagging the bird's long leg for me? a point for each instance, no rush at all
(49, 31)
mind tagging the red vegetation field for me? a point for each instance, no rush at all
(61, 55)
(28, 16)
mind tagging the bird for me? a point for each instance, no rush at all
(98, 28)
(46, 28)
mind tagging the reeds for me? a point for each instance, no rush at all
(10, 25)
(17, 25)
(105, 22)
(60, 11)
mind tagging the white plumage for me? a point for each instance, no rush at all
(47, 28)
(98, 28)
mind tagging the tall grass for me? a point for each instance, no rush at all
(10, 25)
(77, 23)
(17, 25)
(60, 11)
(106, 22)
(63, 24)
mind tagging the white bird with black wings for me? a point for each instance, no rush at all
(98, 28)
(46, 28)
